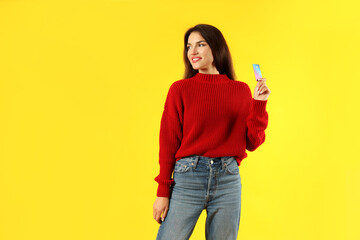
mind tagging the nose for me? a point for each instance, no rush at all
(193, 51)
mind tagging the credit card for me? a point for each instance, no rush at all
(257, 71)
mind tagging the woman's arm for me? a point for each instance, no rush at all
(257, 120)
(170, 139)
(256, 124)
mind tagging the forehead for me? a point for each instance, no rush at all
(195, 37)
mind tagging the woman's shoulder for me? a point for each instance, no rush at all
(242, 87)
(240, 83)
(180, 83)
(175, 87)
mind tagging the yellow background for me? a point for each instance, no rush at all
(82, 90)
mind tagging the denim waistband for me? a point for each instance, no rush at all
(203, 159)
(210, 158)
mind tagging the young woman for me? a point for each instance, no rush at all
(208, 122)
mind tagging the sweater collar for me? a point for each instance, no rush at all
(211, 78)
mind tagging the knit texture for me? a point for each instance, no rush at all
(208, 115)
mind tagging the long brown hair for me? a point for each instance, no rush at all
(219, 49)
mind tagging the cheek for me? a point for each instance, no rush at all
(209, 58)
(209, 55)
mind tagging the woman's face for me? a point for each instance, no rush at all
(200, 55)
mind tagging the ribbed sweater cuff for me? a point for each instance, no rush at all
(259, 105)
(163, 190)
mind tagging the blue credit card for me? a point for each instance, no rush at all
(257, 71)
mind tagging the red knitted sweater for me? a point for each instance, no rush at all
(208, 115)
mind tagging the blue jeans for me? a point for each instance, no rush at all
(201, 183)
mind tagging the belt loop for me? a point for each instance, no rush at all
(194, 161)
(222, 162)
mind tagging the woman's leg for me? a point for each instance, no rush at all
(180, 221)
(186, 201)
(224, 206)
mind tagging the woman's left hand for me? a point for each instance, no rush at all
(261, 92)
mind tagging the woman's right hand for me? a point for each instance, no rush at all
(161, 205)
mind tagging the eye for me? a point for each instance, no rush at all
(200, 44)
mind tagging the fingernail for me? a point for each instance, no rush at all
(162, 219)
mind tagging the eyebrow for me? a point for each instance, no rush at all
(196, 42)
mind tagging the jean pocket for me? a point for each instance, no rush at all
(232, 167)
(183, 165)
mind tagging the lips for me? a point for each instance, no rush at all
(195, 59)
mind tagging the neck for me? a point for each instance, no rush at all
(211, 78)
(209, 71)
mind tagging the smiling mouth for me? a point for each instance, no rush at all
(195, 60)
